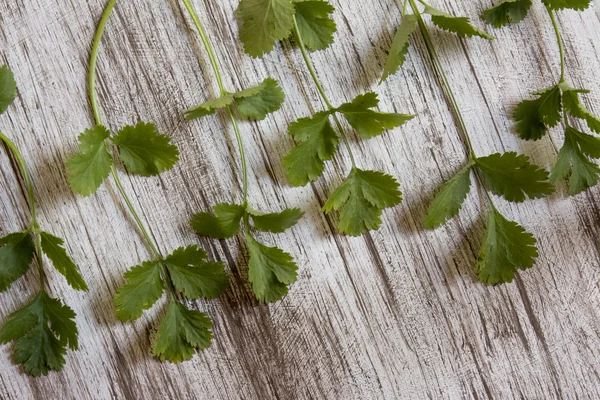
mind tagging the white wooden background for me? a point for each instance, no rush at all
(396, 314)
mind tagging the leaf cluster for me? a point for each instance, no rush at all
(514, 11)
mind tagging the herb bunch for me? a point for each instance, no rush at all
(45, 327)
(186, 270)
(557, 103)
(270, 269)
(364, 194)
(507, 247)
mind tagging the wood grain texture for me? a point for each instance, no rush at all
(396, 314)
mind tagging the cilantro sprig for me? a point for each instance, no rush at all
(556, 104)
(44, 328)
(270, 269)
(507, 247)
(364, 194)
(183, 273)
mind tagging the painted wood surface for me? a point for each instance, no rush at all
(396, 314)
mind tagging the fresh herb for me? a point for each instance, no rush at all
(364, 194)
(185, 271)
(507, 247)
(271, 269)
(44, 328)
(559, 103)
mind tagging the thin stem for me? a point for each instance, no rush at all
(153, 247)
(315, 79)
(35, 228)
(215, 65)
(561, 47)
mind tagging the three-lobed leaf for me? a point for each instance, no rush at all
(52, 246)
(16, 254)
(507, 12)
(507, 248)
(143, 288)
(181, 332)
(512, 175)
(459, 25)
(92, 165)
(449, 200)
(144, 151)
(223, 224)
(8, 88)
(399, 49)
(315, 26)
(255, 103)
(535, 116)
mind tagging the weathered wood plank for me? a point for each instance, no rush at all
(396, 314)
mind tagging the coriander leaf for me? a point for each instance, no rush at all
(255, 103)
(208, 107)
(276, 222)
(572, 4)
(507, 248)
(42, 330)
(144, 151)
(575, 108)
(16, 254)
(270, 269)
(318, 143)
(53, 248)
(361, 198)
(448, 201)
(314, 23)
(195, 277)
(89, 168)
(143, 288)
(8, 88)
(263, 23)
(369, 123)
(512, 175)
(181, 332)
(399, 49)
(224, 224)
(459, 25)
(535, 116)
(507, 12)
(572, 159)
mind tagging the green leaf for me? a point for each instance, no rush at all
(16, 254)
(195, 277)
(361, 198)
(276, 222)
(255, 103)
(574, 106)
(318, 143)
(263, 23)
(572, 4)
(225, 222)
(459, 25)
(144, 151)
(53, 248)
(448, 201)
(399, 49)
(8, 88)
(369, 123)
(315, 24)
(572, 160)
(270, 270)
(89, 168)
(535, 116)
(507, 248)
(208, 107)
(143, 288)
(42, 329)
(512, 175)
(181, 332)
(507, 12)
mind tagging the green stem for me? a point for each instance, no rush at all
(447, 89)
(215, 65)
(35, 228)
(561, 47)
(315, 79)
(152, 245)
